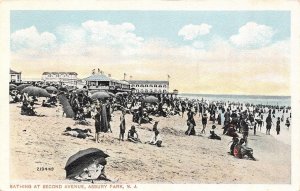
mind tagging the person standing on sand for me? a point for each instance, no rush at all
(204, 122)
(122, 125)
(97, 124)
(183, 105)
(227, 118)
(104, 122)
(269, 124)
(108, 115)
(278, 125)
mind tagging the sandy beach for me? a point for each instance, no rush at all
(37, 142)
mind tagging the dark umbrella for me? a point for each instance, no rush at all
(82, 90)
(151, 99)
(100, 95)
(22, 86)
(12, 87)
(51, 89)
(35, 91)
(77, 162)
(63, 89)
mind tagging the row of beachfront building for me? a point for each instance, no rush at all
(98, 81)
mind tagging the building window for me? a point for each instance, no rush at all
(159, 86)
(151, 85)
(142, 85)
(155, 86)
(146, 91)
(165, 86)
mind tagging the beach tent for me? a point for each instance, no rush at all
(81, 160)
(35, 91)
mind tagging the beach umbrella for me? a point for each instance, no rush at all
(111, 94)
(12, 87)
(100, 95)
(94, 91)
(51, 89)
(81, 90)
(35, 91)
(22, 86)
(77, 162)
(151, 99)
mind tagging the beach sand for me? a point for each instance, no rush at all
(37, 142)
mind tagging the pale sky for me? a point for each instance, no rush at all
(217, 52)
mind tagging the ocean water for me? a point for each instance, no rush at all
(252, 99)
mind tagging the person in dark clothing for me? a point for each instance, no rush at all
(269, 124)
(108, 115)
(79, 133)
(183, 107)
(287, 122)
(213, 135)
(235, 141)
(240, 150)
(132, 135)
(278, 126)
(44, 104)
(140, 114)
(97, 124)
(226, 121)
(204, 122)
(245, 131)
(219, 119)
(155, 126)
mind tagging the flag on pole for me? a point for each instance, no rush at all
(169, 76)
(93, 71)
(124, 76)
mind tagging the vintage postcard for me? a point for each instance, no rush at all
(157, 95)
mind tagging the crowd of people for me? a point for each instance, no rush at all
(235, 118)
